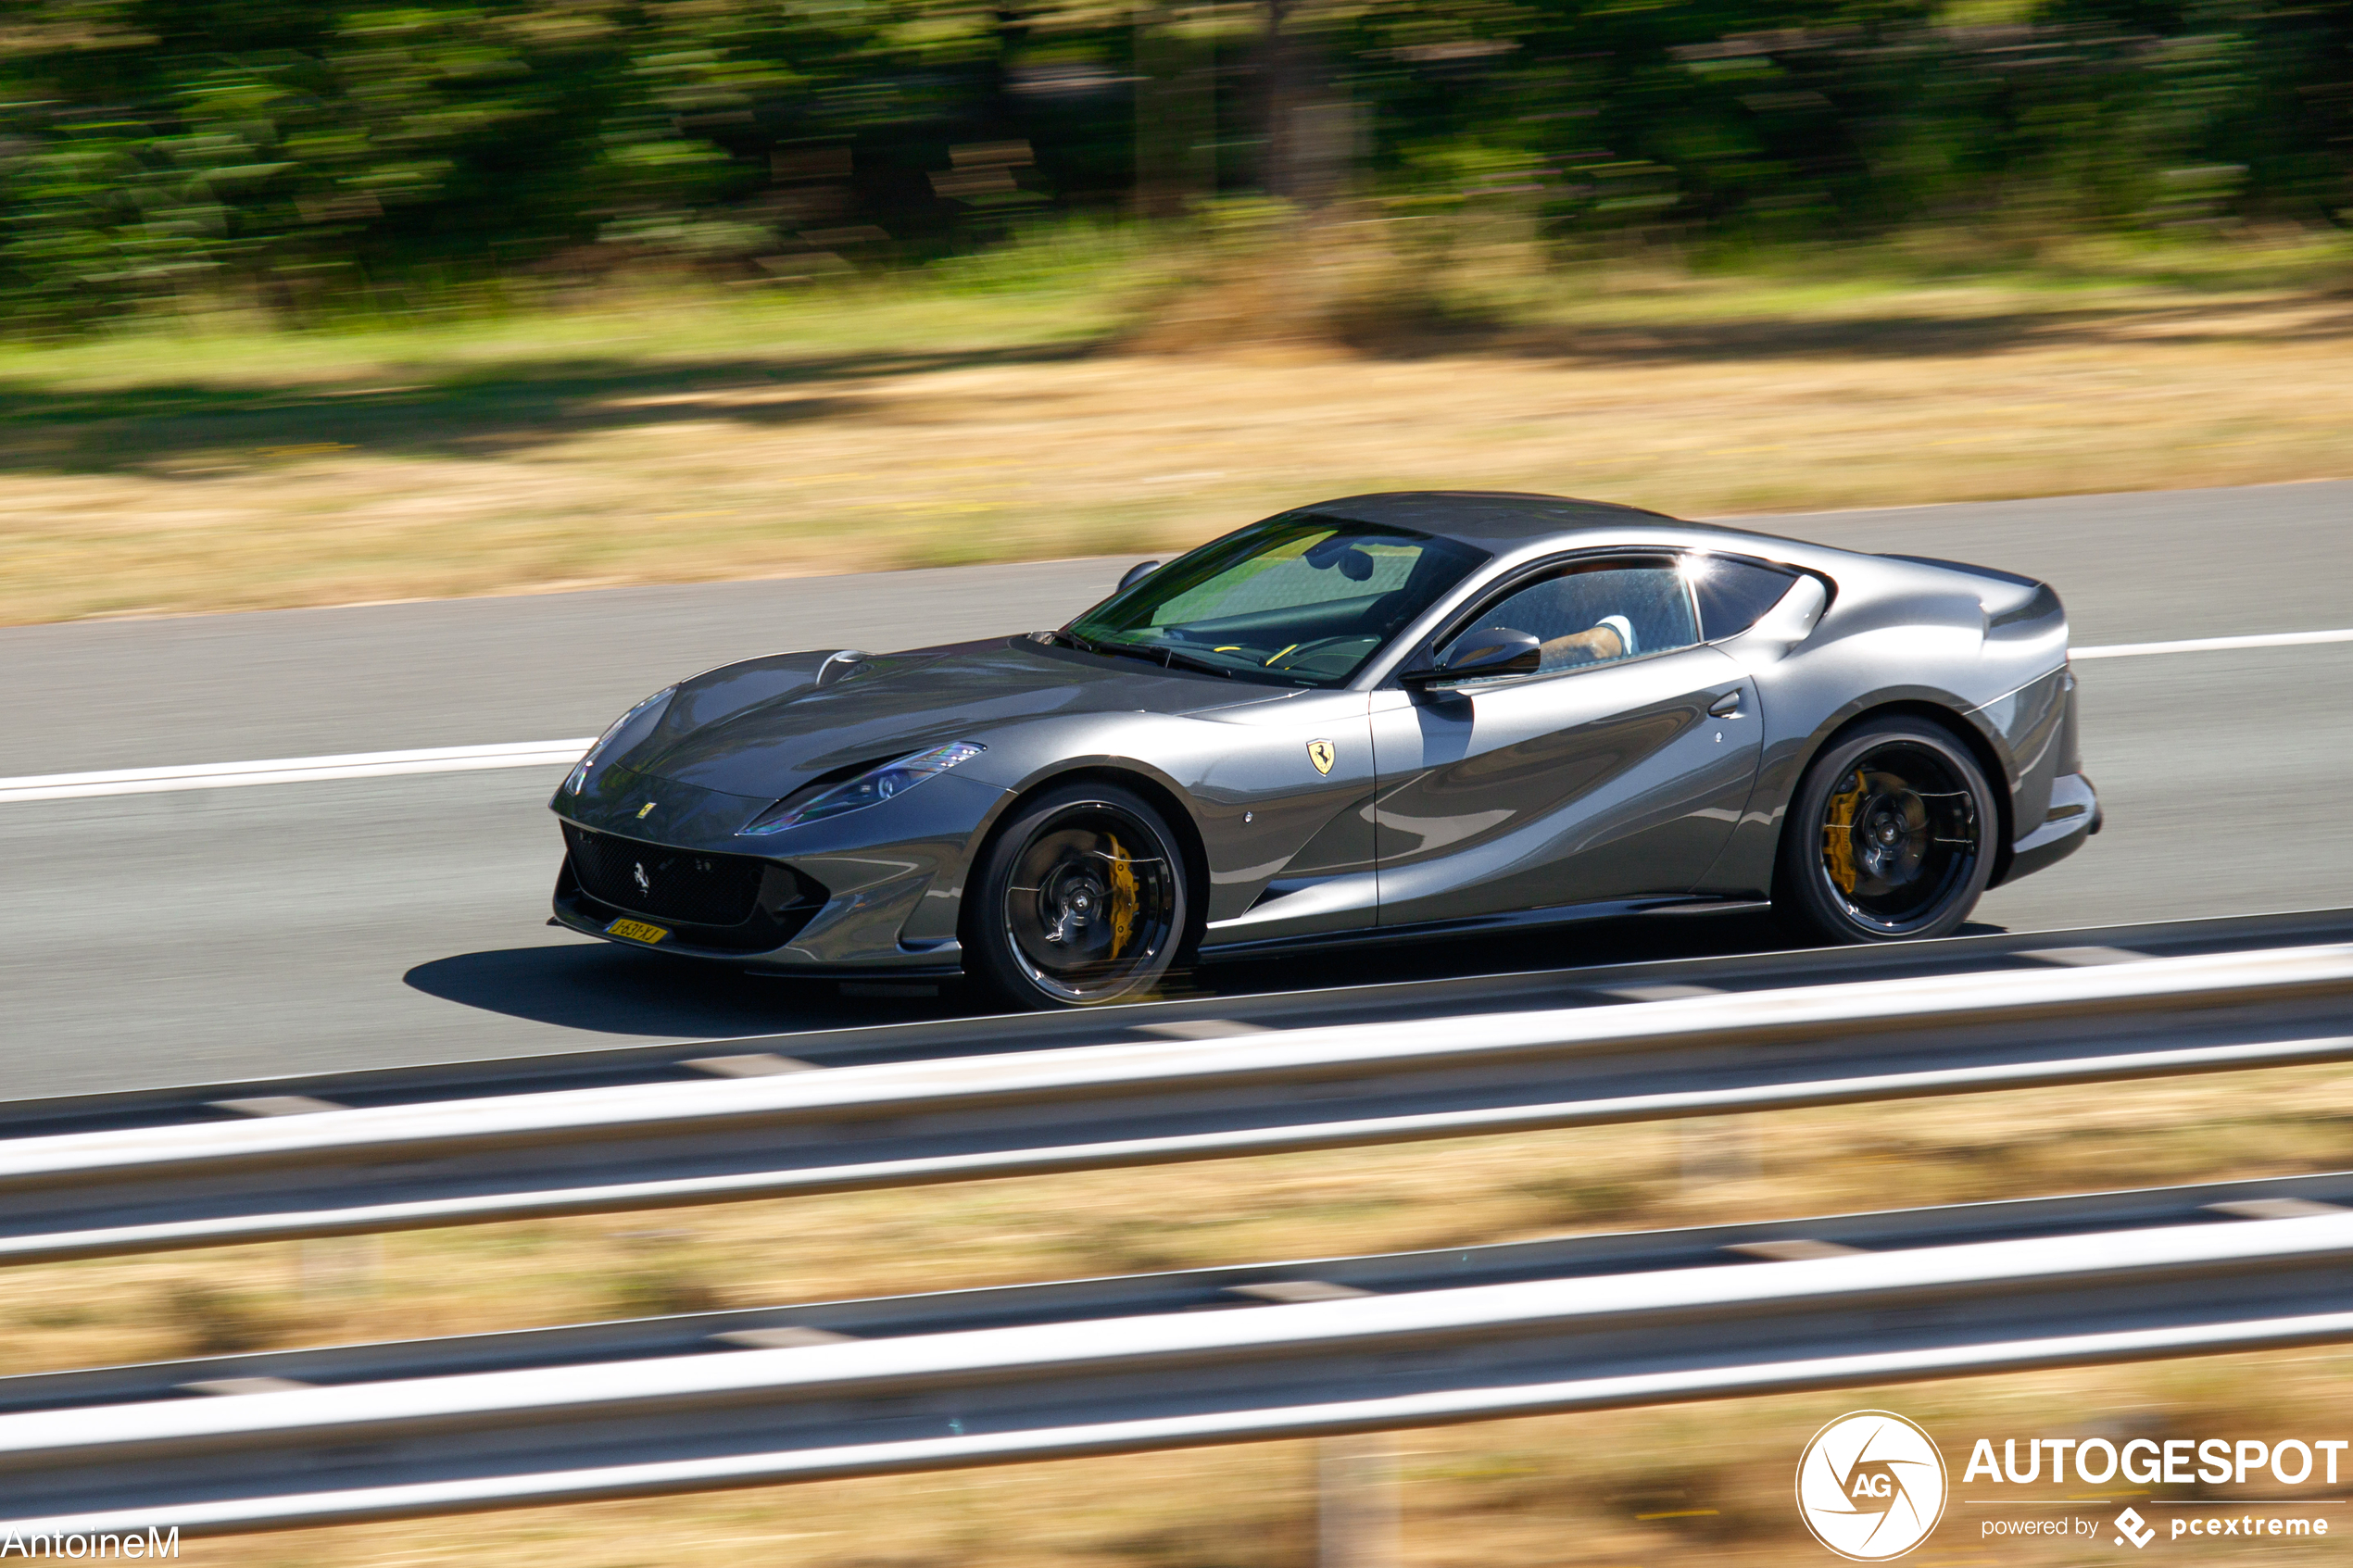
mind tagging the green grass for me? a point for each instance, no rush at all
(1066, 286)
(1077, 285)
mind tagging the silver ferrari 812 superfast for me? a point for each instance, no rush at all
(1373, 720)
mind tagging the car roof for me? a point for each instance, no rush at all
(1501, 520)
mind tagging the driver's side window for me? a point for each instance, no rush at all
(1594, 613)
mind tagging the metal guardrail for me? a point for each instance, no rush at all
(439, 1445)
(1559, 1258)
(96, 1194)
(932, 1039)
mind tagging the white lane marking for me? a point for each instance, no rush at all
(547, 753)
(294, 769)
(2212, 645)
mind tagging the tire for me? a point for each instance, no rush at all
(1079, 901)
(1891, 836)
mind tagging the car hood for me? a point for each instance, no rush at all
(764, 727)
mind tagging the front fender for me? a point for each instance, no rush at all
(936, 917)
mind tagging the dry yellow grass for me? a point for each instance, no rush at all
(1566, 1490)
(695, 441)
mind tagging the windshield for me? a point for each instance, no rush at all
(1300, 600)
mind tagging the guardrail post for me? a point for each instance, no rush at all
(1718, 1148)
(338, 1265)
(1356, 1504)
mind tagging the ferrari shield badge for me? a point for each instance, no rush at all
(1320, 753)
(646, 811)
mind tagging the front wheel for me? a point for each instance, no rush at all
(1891, 835)
(1079, 901)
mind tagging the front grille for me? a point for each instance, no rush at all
(676, 884)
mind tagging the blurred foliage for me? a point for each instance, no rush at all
(339, 154)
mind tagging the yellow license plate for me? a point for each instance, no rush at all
(636, 930)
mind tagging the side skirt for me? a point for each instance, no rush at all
(1518, 920)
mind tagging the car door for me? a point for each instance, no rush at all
(1616, 770)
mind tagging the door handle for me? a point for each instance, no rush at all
(1725, 706)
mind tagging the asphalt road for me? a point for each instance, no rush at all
(186, 937)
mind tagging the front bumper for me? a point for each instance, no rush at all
(876, 891)
(2074, 816)
(705, 905)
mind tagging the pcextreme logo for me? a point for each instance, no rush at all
(1870, 1485)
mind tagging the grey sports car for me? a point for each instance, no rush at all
(1378, 718)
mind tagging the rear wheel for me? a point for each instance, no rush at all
(1079, 901)
(1891, 836)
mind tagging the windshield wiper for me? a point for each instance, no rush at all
(1176, 660)
(1108, 650)
(1119, 650)
(1170, 658)
(1158, 653)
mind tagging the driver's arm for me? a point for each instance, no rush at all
(1612, 637)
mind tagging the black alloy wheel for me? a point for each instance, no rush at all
(1079, 901)
(1892, 835)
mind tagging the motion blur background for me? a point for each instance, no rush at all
(313, 305)
(323, 159)
(317, 303)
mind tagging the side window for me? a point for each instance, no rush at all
(1733, 593)
(1596, 613)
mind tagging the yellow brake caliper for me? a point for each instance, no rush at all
(1838, 834)
(1123, 898)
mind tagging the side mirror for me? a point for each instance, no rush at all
(838, 664)
(1491, 650)
(1137, 573)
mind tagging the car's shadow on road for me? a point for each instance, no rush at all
(1574, 946)
(601, 989)
(607, 990)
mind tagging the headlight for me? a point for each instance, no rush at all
(869, 788)
(620, 734)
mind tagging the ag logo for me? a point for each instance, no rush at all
(1320, 753)
(1870, 1485)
